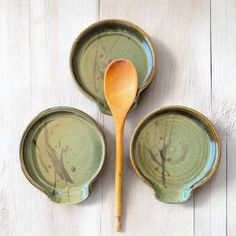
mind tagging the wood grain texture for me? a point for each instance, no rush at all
(196, 45)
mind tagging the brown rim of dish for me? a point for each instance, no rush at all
(118, 22)
(49, 111)
(192, 112)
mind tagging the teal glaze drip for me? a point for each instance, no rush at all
(213, 153)
(149, 56)
(186, 193)
(85, 192)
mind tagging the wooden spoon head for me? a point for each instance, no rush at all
(120, 85)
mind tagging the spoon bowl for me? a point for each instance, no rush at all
(121, 85)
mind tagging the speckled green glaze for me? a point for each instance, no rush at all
(105, 41)
(174, 150)
(62, 152)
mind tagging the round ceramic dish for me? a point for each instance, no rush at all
(62, 152)
(175, 150)
(102, 42)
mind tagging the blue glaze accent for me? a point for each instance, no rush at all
(213, 154)
(85, 192)
(186, 194)
(149, 56)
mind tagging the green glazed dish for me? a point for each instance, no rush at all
(102, 42)
(62, 152)
(175, 150)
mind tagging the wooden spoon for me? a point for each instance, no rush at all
(120, 88)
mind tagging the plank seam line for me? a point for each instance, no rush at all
(194, 214)
(98, 10)
(226, 179)
(211, 55)
(30, 72)
(211, 101)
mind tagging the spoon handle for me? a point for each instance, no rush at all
(118, 177)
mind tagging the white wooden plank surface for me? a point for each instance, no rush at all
(14, 106)
(196, 44)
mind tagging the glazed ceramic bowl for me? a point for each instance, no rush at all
(175, 150)
(62, 153)
(103, 42)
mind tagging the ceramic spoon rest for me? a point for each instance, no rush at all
(102, 42)
(175, 150)
(62, 153)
